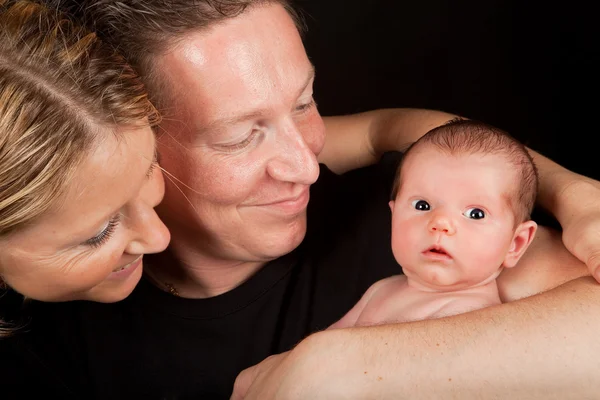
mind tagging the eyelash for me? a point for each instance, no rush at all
(106, 234)
(152, 168)
(305, 107)
(239, 146)
(242, 144)
(153, 165)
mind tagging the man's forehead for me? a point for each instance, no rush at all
(250, 111)
(227, 91)
(239, 69)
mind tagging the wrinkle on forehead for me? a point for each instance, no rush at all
(242, 64)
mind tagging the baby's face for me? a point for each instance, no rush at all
(452, 224)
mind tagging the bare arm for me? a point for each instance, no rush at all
(574, 200)
(545, 265)
(359, 140)
(541, 347)
(349, 320)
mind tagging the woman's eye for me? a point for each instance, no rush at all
(421, 205)
(474, 213)
(152, 168)
(106, 233)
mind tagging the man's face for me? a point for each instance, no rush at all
(241, 138)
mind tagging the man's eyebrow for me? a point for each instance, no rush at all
(256, 113)
(309, 78)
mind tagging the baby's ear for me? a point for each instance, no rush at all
(391, 203)
(522, 238)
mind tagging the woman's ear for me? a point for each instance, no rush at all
(521, 240)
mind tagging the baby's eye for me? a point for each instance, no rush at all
(421, 205)
(474, 213)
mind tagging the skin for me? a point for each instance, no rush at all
(296, 374)
(53, 260)
(246, 155)
(453, 232)
(236, 70)
(215, 256)
(451, 189)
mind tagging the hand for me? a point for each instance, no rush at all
(581, 233)
(310, 371)
(249, 382)
(268, 380)
(582, 238)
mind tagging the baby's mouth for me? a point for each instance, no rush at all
(437, 251)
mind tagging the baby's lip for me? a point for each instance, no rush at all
(437, 250)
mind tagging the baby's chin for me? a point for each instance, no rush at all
(440, 281)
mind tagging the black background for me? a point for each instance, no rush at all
(526, 67)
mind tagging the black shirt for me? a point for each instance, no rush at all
(153, 345)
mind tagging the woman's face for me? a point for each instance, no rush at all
(89, 245)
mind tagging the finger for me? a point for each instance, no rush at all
(594, 265)
(242, 384)
(592, 258)
(597, 274)
(586, 248)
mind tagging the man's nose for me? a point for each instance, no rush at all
(294, 160)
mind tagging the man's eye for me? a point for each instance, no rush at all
(305, 107)
(421, 205)
(474, 213)
(243, 144)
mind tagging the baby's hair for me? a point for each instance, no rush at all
(462, 136)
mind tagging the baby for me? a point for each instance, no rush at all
(461, 205)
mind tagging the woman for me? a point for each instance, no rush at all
(78, 176)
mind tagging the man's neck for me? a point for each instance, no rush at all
(186, 272)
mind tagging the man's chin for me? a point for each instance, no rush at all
(282, 244)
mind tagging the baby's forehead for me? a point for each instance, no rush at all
(429, 167)
(428, 149)
(431, 156)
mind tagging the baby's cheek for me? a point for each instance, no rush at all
(482, 264)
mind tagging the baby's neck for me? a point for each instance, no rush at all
(488, 288)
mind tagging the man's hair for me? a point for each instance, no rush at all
(143, 29)
(460, 136)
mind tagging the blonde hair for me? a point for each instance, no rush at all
(61, 91)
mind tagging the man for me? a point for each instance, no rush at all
(248, 275)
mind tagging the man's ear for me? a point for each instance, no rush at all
(522, 238)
